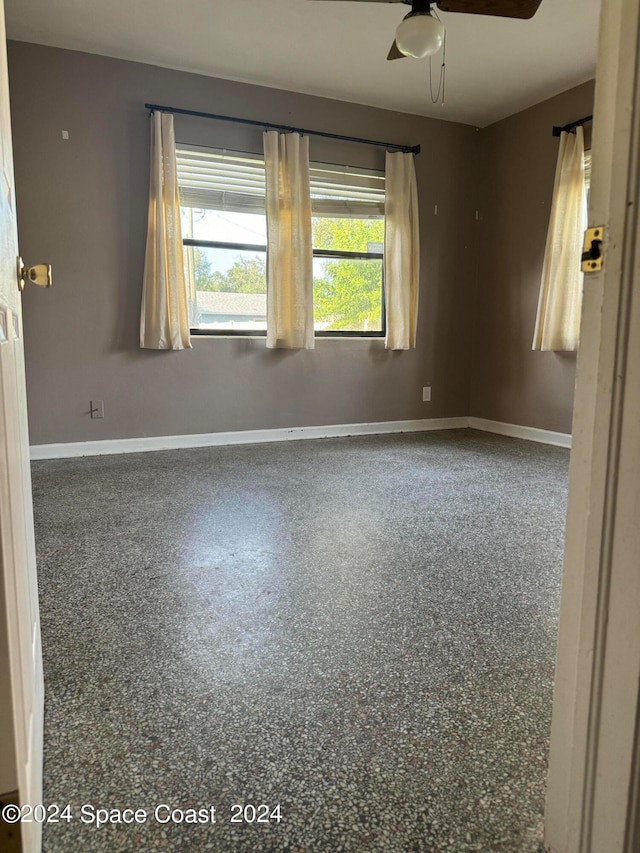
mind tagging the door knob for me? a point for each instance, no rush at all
(40, 274)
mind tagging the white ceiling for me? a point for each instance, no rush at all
(495, 66)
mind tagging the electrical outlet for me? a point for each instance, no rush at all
(426, 394)
(97, 408)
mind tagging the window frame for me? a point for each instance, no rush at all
(317, 253)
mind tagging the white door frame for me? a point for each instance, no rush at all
(594, 766)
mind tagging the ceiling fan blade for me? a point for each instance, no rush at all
(394, 53)
(501, 8)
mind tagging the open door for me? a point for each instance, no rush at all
(21, 682)
(593, 791)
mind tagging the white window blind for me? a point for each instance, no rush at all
(346, 192)
(587, 169)
(220, 180)
(216, 179)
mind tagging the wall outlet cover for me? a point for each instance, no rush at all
(426, 394)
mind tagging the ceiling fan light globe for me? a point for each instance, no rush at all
(420, 35)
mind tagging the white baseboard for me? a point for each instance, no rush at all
(543, 436)
(258, 436)
(262, 436)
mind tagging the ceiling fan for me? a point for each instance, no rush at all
(421, 34)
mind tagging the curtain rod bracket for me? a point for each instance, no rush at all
(568, 128)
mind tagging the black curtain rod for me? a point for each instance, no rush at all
(414, 149)
(571, 126)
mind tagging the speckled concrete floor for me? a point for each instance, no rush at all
(360, 630)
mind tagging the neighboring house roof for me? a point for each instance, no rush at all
(229, 304)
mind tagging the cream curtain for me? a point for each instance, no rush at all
(164, 320)
(289, 243)
(401, 251)
(558, 320)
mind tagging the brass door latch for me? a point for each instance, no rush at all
(592, 254)
(40, 275)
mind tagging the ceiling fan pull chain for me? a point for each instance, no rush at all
(441, 82)
(444, 68)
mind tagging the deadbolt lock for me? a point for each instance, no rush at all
(40, 274)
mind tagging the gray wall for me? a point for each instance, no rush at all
(510, 382)
(82, 207)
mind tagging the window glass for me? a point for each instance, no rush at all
(348, 235)
(230, 287)
(347, 295)
(224, 226)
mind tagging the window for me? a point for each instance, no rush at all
(225, 234)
